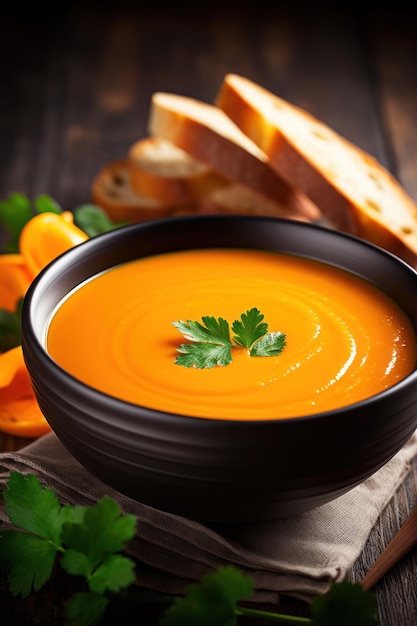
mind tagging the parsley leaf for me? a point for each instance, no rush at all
(85, 608)
(203, 355)
(211, 344)
(36, 509)
(29, 559)
(10, 327)
(344, 604)
(271, 344)
(214, 331)
(212, 347)
(90, 547)
(14, 213)
(211, 602)
(249, 328)
(46, 204)
(30, 556)
(93, 220)
(103, 531)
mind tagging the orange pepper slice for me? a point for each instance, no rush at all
(14, 280)
(42, 239)
(20, 414)
(46, 236)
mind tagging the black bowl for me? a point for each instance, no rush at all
(212, 469)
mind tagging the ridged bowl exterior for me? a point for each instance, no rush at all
(213, 469)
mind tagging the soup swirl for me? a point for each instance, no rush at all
(345, 339)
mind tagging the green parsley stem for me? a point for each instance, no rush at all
(276, 617)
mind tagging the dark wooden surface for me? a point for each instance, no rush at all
(76, 85)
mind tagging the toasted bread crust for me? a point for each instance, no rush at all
(351, 188)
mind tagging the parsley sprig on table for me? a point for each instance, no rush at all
(211, 344)
(88, 543)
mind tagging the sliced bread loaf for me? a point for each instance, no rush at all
(208, 135)
(351, 188)
(112, 190)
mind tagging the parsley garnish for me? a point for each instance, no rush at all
(88, 543)
(211, 344)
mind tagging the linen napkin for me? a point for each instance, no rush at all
(299, 556)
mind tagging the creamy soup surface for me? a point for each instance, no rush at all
(345, 339)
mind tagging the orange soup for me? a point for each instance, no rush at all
(345, 339)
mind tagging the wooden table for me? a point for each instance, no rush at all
(76, 86)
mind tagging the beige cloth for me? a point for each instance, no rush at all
(299, 556)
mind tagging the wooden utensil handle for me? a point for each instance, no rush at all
(401, 544)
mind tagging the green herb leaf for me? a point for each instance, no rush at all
(249, 328)
(10, 328)
(116, 572)
(103, 532)
(203, 355)
(15, 212)
(214, 331)
(93, 220)
(212, 343)
(344, 604)
(212, 602)
(29, 559)
(20, 204)
(34, 508)
(46, 204)
(271, 344)
(85, 609)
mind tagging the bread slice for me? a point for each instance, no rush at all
(208, 135)
(161, 170)
(352, 189)
(235, 199)
(111, 190)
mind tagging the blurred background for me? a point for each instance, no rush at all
(77, 78)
